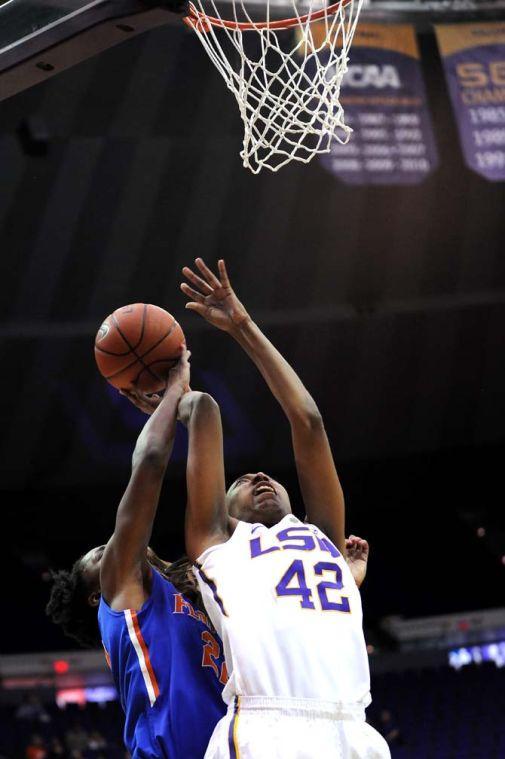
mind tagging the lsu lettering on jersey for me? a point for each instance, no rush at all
(169, 672)
(289, 614)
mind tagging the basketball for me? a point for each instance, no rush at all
(138, 345)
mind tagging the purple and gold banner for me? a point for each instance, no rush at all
(384, 99)
(474, 62)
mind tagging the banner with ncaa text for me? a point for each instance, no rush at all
(474, 63)
(384, 101)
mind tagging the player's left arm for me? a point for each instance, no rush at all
(123, 568)
(214, 299)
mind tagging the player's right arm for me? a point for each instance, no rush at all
(215, 300)
(207, 522)
(124, 576)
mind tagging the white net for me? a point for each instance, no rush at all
(286, 80)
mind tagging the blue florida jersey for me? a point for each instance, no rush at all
(169, 671)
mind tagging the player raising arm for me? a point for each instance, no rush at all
(158, 644)
(278, 590)
(215, 300)
(125, 574)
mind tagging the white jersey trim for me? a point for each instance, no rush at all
(138, 645)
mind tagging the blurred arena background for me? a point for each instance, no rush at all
(387, 296)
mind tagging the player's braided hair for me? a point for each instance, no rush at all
(180, 575)
(68, 603)
(68, 607)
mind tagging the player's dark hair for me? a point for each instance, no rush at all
(68, 607)
(68, 603)
(179, 573)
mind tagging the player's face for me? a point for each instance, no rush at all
(258, 498)
(90, 567)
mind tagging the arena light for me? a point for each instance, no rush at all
(100, 694)
(461, 657)
(61, 666)
(66, 696)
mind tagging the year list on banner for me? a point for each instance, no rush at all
(474, 63)
(384, 100)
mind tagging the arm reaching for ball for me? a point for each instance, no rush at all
(124, 573)
(214, 298)
(207, 521)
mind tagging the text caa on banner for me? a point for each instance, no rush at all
(384, 99)
(474, 64)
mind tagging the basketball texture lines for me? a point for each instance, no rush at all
(137, 345)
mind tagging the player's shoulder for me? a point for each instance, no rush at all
(160, 589)
(238, 532)
(161, 586)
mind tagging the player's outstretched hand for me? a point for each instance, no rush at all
(144, 402)
(356, 555)
(213, 298)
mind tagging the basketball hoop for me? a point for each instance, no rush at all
(285, 74)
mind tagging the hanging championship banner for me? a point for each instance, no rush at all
(384, 101)
(474, 63)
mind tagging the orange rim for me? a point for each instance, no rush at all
(200, 21)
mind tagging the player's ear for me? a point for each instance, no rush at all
(94, 598)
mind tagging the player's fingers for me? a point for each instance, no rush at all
(187, 290)
(130, 395)
(184, 355)
(197, 281)
(148, 406)
(133, 399)
(142, 406)
(198, 307)
(225, 280)
(209, 276)
(149, 402)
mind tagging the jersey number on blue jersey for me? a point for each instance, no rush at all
(211, 655)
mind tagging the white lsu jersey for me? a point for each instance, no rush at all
(289, 614)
